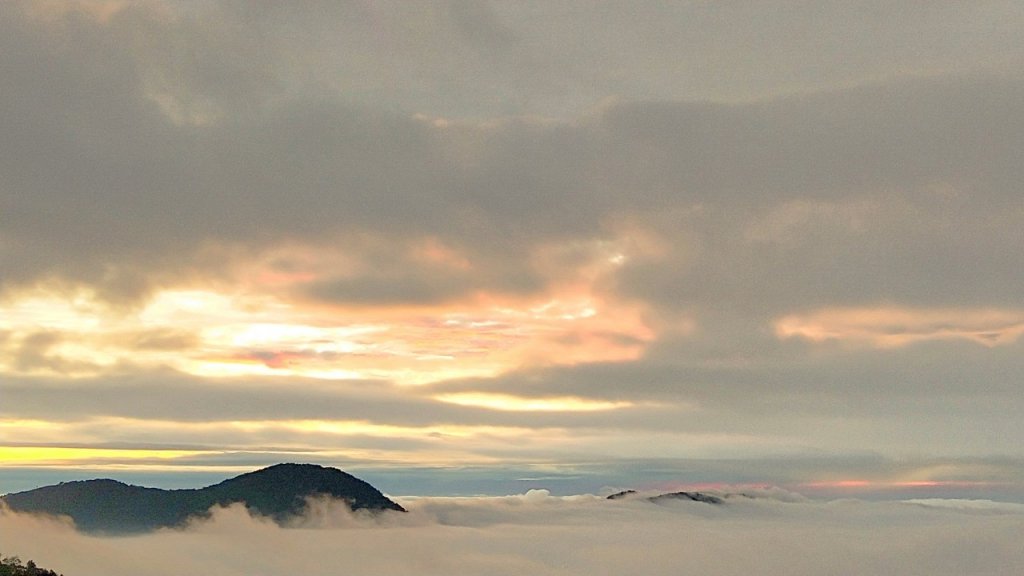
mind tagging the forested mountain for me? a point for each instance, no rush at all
(278, 492)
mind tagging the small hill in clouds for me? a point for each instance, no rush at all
(277, 492)
(706, 498)
(714, 496)
(694, 496)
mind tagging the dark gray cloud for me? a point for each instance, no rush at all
(939, 397)
(487, 59)
(787, 374)
(953, 399)
(178, 397)
(902, 189)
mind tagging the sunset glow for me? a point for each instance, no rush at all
(212, 334)
(517, 404)
(62, 456)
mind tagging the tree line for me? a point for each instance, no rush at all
(12, 566)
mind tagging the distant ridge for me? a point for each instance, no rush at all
(278, 492)
(693, 496)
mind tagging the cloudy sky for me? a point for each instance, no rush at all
(466, 247)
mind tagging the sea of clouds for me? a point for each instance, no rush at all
(539, 534)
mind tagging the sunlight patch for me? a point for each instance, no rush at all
(510, 403)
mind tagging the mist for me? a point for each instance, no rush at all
(536, 533)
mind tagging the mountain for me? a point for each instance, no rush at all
(694, 496)
(278, 492)
(621, 495)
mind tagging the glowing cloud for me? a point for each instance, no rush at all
(519, 404)
(888, 327)
(210, 333)
(57, 455)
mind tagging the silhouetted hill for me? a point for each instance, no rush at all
(694, 496)
(621, 495)
(278, 492)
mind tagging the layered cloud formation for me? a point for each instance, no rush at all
(544, 237)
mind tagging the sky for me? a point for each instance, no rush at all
(464, 247)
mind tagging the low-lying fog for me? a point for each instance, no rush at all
(537, 534)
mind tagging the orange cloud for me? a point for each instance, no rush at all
(507, 402)
(891, 327)
(223, 333)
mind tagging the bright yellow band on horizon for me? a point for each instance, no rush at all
(14, 455)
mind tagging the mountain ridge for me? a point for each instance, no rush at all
(278, 492)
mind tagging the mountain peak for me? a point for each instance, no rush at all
(279, 492)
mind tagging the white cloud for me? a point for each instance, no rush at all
(539, 534)
(969, 505)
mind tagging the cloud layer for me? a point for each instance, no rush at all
(540, 534)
